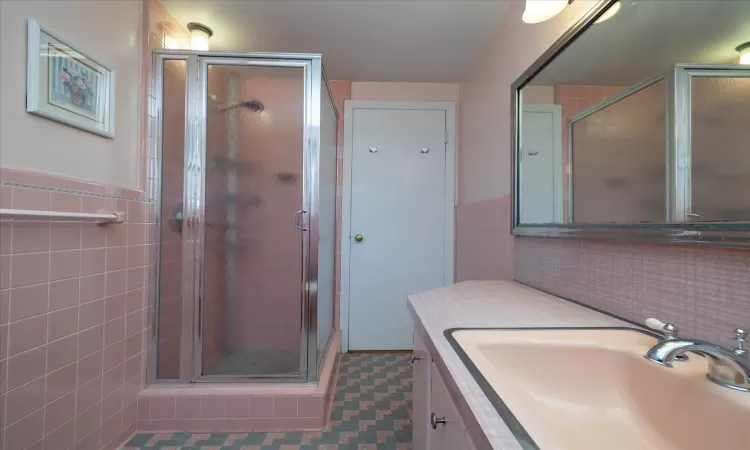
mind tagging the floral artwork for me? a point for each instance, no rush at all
(72, 83)
(66, 85)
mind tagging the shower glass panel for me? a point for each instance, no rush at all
(326, 220)
(618, 165)
(720, 148)
(169, 320)
(252, 306)
(247, 152)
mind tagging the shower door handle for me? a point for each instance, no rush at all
(299, 220)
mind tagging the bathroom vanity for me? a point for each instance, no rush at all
(443, 384)
(501, 365)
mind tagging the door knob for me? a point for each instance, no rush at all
(435, 421)
(358, 237)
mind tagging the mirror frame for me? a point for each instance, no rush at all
(719, 234)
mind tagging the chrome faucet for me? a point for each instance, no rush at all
(728, 368)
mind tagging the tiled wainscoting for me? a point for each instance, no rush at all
(704, 291)
(72, 315)
(484, 246)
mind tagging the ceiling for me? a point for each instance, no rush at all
(646, 37)
(360, 40)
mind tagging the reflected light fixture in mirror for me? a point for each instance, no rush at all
(609, 13)
(199, 36)
(540, 10)
(744, 51)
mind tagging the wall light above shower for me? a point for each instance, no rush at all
(199, 36)
(744, 51)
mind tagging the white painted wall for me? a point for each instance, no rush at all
(484, 117)
(109, 31)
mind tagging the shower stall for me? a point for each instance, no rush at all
(670, 149)
(246, 212)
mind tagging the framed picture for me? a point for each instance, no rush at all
(65, 85)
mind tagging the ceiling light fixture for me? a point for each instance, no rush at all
(609, 13)
(199, 35)
(744, 51)
(540, 10)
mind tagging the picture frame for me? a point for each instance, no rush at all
(66, 85)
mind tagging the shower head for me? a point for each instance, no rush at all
(252, 105)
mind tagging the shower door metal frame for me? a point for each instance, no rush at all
(193, 234)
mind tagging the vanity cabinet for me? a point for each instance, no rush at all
(421, 368)
(436, 423)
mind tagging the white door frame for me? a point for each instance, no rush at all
(557, 152)
(450, 170)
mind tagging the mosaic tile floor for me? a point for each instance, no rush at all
(371, 411)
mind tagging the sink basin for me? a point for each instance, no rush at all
(580, 389)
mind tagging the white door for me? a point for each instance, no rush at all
(398, 192)
(541, 164)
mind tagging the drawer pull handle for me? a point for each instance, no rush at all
(415, 358)
(435, 420)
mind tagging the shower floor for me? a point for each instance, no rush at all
(256, 362)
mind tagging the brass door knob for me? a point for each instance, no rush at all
(358, 237)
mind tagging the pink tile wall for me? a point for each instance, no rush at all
(215, 336)
(170, 241)
(342, 91)
(230, 413)
(704, 291)
(240, 407)
(158, 28)
(266, 309)
(72, 315)
(484, 246)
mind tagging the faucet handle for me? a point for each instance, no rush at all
(740, 336)
(670, 331)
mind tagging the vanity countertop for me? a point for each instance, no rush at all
(499, 304)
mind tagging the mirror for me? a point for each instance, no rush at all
(639, 117)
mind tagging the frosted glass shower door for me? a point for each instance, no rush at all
(252, 305)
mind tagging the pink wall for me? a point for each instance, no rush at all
(110, 33)
(269, 258)
(170, 242)
(72, 315)
(389, 91)
(342, 91)
(72, 295)
(483, 248)
(704, 290)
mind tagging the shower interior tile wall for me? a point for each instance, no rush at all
(72, 317)
(702, 290)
